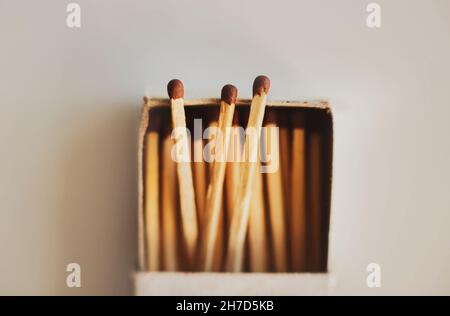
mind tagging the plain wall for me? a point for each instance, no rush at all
(71, 99)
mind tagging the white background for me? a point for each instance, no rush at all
(70, 102)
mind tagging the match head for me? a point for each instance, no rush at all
(175, 89)
(260, 85)
(229, 94)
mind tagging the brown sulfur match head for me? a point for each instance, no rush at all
(175, 89)
(260, 85)
(229, 94)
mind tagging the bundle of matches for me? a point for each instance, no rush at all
(228, 215)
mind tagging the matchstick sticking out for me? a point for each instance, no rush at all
(275, 193)
(151, 196)
(215, 188)
(175, 90)
(169, 205)
(298, 196)
(239, 222)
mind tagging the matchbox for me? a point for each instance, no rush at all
(317, 280)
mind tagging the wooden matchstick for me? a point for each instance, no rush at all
(285, 156)
(200, 175)
(175, 90)
(169, 205)
(232, 170)
(210, 148)
(257, 230)
(239, 221)
(315, 205)
(297, 221)
(274, 187)
(215, 188)
(219, 248)
(151, 195)
(218, 252)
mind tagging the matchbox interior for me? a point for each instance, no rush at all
(317, 118)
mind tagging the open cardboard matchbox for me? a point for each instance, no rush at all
(318, 119)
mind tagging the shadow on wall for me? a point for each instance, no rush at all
(98, 201)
